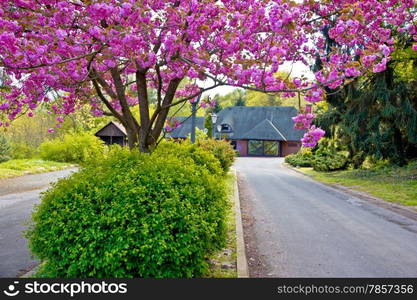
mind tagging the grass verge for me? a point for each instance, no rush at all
(223, 264)
(19, 167)
(391, 183)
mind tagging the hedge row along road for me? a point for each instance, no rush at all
(18, 196)
(301, 228)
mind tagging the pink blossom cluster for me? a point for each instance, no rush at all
(208, 103)
(366, 27)
(314, 95)
(312, 136)
(189, 91)
(69, 47)
(303, 121)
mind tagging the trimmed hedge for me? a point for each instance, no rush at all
(221, 149)
(74, 147)
(133, 215)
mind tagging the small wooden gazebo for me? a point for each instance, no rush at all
(113, 133)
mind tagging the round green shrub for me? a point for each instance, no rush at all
(300, 159)
(325, 162)
(74, 147)
(221, 149)
(132, 215)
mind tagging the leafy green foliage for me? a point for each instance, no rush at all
(199, 134)
(221, 149)
(185, 150)
(4, 149)
(300, 159)
(131, 215)
(73, 147)
(329, 161)
(329, 156)
(33, 131)
(23, 150)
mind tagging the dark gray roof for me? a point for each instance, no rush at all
(184, 130)
(112, 129)
(261, 122)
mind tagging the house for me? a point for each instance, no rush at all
(113, 133)
(252, 130)
(259, 130)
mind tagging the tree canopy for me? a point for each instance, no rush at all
(108, 54)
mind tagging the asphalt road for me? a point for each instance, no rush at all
(302, 228)
(17, 198)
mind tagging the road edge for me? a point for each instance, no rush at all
(394, 207)
(242, 263)
(72, 166)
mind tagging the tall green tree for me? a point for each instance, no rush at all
(377, 116)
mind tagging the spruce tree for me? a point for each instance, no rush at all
(376, 115)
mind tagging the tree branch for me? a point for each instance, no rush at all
(107, 103)
(161, 114)
(53, 64)
(121, 96)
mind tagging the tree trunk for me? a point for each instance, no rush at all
(143, 142)
(132, 137)
(138, 139)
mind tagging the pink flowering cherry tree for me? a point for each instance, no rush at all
(107, 54)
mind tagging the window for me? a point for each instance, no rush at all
(270, 148)
(234, 144)
(263, 148)
(255, 148)
(226, 128)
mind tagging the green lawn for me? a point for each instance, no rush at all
(223, 263)
(393, 184)
(19, 167)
